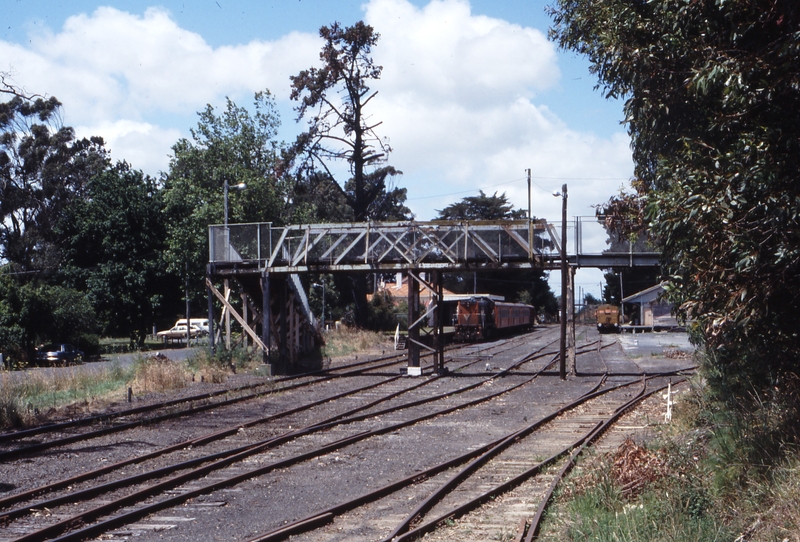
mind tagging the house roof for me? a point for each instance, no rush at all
(646, 296)
(401, 291)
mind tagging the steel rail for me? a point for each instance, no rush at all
(105, 509)
(41, 446)
(469, 469)
(590, 436)
(329, 514)
(92, 492)
(533, 531)
(89, 420)
(198, 441)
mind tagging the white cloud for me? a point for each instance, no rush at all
(460, 96)
(143, 145)
(113, 64)
(443, 52)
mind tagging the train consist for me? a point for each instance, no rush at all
(608, 319)
(483, 318)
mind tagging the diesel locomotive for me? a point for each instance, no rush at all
(608, 319)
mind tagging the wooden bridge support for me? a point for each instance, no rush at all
(283, 320)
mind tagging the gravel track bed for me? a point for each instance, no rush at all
(268, 501)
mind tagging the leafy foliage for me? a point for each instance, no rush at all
(334, 98)
(712, 94)
(481, 207)
(236, 146)
(114, 241)
(31, 314)
(43, 169)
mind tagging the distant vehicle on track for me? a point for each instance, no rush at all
(608, 319)
(58, 354)
(483, 318)
(179, 332)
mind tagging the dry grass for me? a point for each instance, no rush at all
(345, 341)
(157, 373)
(215, 374)
(781, 521)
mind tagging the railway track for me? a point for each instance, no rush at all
(504, 474)
(285, 443)
(18, 443)
(205, 439)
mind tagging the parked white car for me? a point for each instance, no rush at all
(200, 323)
(179, 332)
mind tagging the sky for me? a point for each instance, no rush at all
(472, 93)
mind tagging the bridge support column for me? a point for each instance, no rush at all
(283, 326)
(413, 326)
(428, 322)
(211, 345)
(283, 315)
(571, 335)
(266, 318)
(438, 324)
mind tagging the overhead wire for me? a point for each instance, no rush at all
(518, 179)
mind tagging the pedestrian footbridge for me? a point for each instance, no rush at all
(263, 263)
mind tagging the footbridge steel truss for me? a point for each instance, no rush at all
(265, 261)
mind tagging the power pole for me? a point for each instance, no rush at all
(562, 363)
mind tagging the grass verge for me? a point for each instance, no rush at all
(712, 474)
(26, 398)
(32, 397)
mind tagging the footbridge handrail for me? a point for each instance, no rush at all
(381, 245)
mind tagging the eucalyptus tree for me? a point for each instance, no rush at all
(334, 99)
(43, 170)
(712, 103)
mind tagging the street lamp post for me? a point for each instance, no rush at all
(315, 285)
(562, 363)
(225, 188)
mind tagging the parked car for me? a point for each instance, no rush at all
(179, 332)
(201, 323)
(58, 354)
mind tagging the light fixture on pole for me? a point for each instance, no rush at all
(529, 193)
(315, 285)
(562, 363)
(225, 188)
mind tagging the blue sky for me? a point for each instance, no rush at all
(472, 92)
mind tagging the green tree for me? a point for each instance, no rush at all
(481, 207)
(334, 98)
(712, 94)
(114, 243)
(237, 146)
(43, 170)
(34, 313)
(623, 217)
